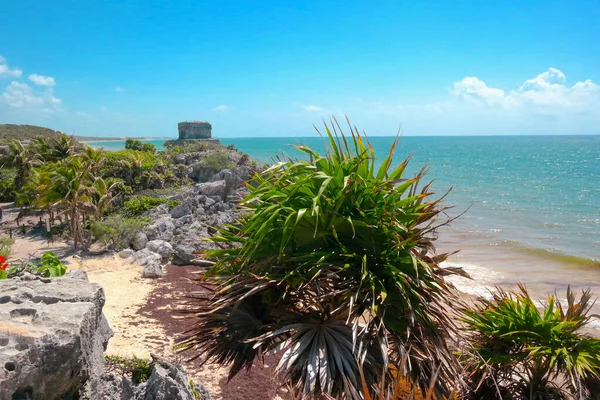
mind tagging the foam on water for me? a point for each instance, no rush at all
(482, 280)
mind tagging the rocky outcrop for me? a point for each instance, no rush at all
(161, 229)
(52, 340)
(166, 382)
(169, 382)
(52, 337)
(140, 241)
(151, 262)
(180, 234)
(162, 248)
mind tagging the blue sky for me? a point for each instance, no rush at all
(274, 68)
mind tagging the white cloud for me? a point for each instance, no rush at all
(22, 96)
(6, 71)
(42, 80)
(313, 108)
(119, 89)
(546, 93)
(472, 88)
(222, 107)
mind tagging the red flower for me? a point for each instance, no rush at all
(3, 263)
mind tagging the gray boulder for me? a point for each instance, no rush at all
(152, 270)
(187, 207)
(184, 254)
(216, 188)
(185, 220)
(52, 338)
(126, 253)
(140, 241)
(112, 387)
(162, 209)
(209, 202)
(162, 248)
(232, 181)
(146, 256)
(151, 262)
(160, 229)
(169, 382)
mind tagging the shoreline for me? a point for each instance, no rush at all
(87, 141)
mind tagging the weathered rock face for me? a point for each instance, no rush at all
(52, 337)
(194, 130)
(168, 382)
(151, 263)
(161, 229)
(140, 241)
(215, 188)
(162, 248)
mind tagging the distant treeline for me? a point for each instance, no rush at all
(23, 132)
(27, 132)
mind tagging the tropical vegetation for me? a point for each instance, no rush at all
(49, 265)
(522, 352)
(6, 246)
(333, 266)
(78, 185)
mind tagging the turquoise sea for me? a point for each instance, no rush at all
(531, 203)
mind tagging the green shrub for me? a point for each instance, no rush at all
(334, 266)
(50, 265)
(6, 246)
(137, 369)
(134, 144)
(139, 205)
(524, 353)
(116, 231)
(217, 160)
(148, 148)
(7, 183)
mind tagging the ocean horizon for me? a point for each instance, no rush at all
(529, 206)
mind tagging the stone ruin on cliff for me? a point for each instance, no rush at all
(195, 130)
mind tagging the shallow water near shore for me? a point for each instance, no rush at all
(532, 204)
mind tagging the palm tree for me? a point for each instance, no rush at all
(93, 157)
(103, 196)
(61, 147)
(22, 158)
(70, 190)
(333, 266)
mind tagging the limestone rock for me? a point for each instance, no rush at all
(52, 338)
(162, 209)
(152, 270)
(169, 382)
(151, 263)
(185, 220)
(162, 248)
(184, 254)
(160, 229)
(126, 253)
(140, 241)
(215, 188)
(187, 207)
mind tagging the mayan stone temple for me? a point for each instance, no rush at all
(195, 130)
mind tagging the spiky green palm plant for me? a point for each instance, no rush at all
(332, 266)
(524, 353)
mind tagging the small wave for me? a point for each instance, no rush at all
(482, 280)
(556, 256)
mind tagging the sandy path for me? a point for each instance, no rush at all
(126, 291)
(141, 313)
